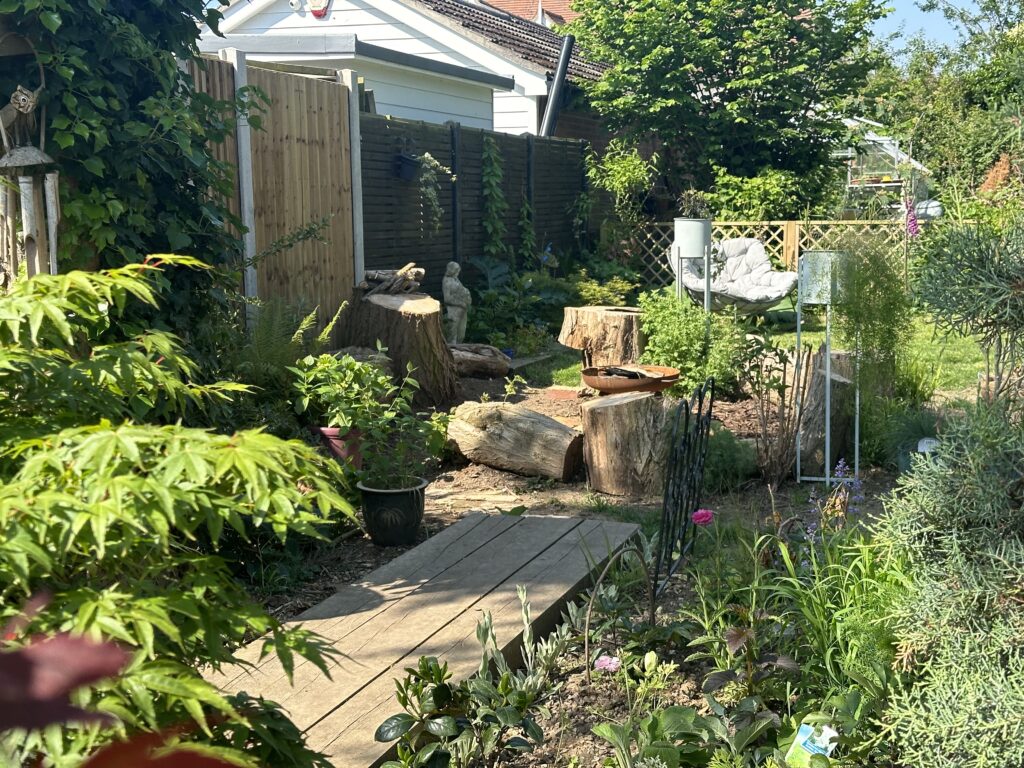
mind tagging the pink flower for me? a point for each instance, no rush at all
(703, 517)
(607, 664)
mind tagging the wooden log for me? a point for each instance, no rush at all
(812, 422)
(409, 327)
(605, 335)
(625, 443)
(480, 361)
(516, 439)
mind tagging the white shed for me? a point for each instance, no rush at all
(434, 60)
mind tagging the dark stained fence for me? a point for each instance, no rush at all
(397, 225)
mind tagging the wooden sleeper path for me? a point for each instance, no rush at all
(426, 602)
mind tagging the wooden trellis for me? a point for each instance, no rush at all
(783, 241)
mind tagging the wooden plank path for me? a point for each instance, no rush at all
(427, 602)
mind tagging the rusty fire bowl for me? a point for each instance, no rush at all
(659, 378)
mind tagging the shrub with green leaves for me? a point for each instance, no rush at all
(116, 510)
(677, 336)
(954, 526)
(730, 462)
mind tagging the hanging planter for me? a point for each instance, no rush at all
(407, 166)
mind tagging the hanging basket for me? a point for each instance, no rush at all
(407, 166)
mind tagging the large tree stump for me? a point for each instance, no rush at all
(480, 361)
(606, 335)
(812, 422)
(625, 443)
(409, 326)
(516, 439)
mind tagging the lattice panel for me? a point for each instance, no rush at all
(655, 245)
(783, 241)
(771, 233)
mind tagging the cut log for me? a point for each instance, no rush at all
(812, 422)
(605, 335)
(625, 443)
(516, 439)
(409, 327)
(480, 361)
(404, 280)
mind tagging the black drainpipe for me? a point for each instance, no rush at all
(547, 125)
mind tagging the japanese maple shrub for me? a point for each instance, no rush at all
(116, 510)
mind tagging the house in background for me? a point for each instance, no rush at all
(550, 13)
(514, 59)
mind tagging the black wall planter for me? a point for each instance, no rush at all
(406, 166)
(393, 517)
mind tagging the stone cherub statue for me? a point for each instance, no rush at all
(456, 300)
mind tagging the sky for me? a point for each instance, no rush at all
(910, 19)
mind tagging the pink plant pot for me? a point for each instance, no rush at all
(344, 445)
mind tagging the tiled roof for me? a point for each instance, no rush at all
(532, 42)
(527, 9)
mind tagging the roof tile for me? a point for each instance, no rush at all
(528, 40)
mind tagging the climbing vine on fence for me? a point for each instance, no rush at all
(495, 207)
(130, 135)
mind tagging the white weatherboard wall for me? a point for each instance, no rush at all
(391, 24)
(414, 95)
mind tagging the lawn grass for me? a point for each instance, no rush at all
(562, 369)
(955, 361)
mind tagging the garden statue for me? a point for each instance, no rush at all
(456, 300)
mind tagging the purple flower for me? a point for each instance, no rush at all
(607, 664)
(703, 517)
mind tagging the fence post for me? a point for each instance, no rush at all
(456, 137)
(348, 78)
(790, 243)
(529, 170)
(246, 195)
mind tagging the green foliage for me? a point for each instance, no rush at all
(528, 250)
(729, 464)
(625, 174)
(613, 291)
(479, 721)
(953, 525)
(132, 138)
(771, 194)
(395, 441)
(969, 277)
(745, 87)
(677, 336)
(121, 521)
(430, 192)
(275, 337)
(495, 207)
(340, 391)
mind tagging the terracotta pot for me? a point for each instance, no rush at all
(344, 445)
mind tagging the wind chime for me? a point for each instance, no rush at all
(29, 204)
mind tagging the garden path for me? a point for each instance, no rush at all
(426, 602)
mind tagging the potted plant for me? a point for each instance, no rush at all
(340, 396)
(396, 444)
(692, 228)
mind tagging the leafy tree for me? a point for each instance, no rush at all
(131, 136)
(121, 522)
(742, 86)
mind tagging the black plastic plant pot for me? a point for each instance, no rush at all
(406, 166)
(393, 517)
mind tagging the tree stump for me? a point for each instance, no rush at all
(625, 443)
(516, 439)
(812, 422)
(409, 326)
(480, 361)
(606, 335)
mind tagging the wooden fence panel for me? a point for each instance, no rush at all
(397, 225)
(302, 173)
(395, 229)
(217, 79)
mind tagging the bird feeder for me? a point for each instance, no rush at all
(29, 203)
